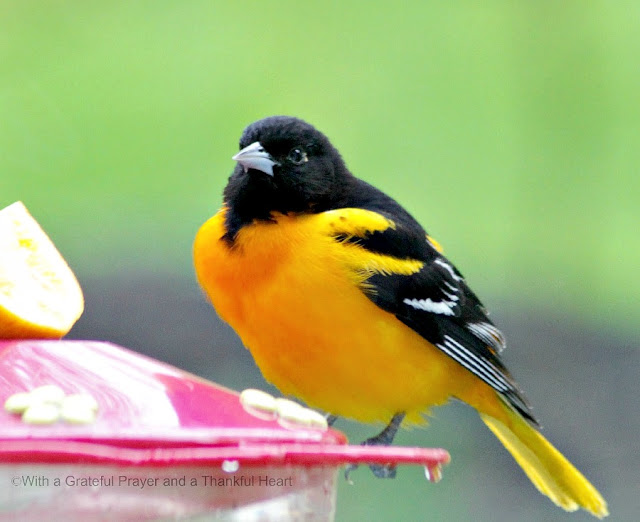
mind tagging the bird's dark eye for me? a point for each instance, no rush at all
(297, 156)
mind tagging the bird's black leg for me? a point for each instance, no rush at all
(331, 419)
(384, 438)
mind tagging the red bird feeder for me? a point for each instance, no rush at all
(91, 430)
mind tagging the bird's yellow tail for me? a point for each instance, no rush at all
(545, 466)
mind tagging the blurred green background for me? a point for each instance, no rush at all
(511, 130)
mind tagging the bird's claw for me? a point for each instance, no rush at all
(384, 470)
(347, 471)
(387, 471)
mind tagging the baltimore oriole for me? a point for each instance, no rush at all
(347, 303)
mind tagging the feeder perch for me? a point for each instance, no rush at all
(97, 432)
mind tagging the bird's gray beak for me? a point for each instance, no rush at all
(255, 157)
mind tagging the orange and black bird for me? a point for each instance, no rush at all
(347, 303)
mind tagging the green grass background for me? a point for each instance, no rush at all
(511, 130)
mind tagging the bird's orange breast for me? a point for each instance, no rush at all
(293, 293)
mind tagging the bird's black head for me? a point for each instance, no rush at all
(284, 165)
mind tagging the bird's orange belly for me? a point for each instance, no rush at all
(310, 328)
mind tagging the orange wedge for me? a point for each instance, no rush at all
(39, 295)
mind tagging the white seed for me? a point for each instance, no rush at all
(49, 393)
(303, 417)
(18, 402)
(288, 410)
(259, 404)
(257, 400)
(314, 419)
(75, 414)
(41, 413)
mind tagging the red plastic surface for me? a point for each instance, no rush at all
(153, 414)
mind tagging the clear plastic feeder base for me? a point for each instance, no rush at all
(80, 493)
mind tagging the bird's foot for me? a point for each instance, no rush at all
(384, 438)
(331, 419)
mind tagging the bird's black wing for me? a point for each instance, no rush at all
(436, 301)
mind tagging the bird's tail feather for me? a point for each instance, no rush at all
(545, 466)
